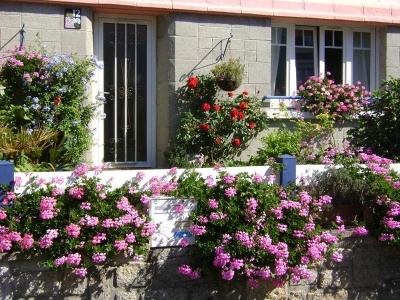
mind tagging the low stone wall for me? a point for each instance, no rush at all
(370, 270)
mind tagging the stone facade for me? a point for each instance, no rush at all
(187, 43)
(44, 23)
(190, 44)
(370, 270)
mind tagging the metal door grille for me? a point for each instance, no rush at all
(125, 89)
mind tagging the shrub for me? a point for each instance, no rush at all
(217, 128)
(322, 96)
(43, 91)
(247, 226)
(379, 122)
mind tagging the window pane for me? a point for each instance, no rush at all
(328, 38)
(362, 67)
(304, 64)
(278, 62)
(334, 63)
(366, 40)
(299, 37)
(338, 38)
(357, 39)
(281, 38)
(308, 38)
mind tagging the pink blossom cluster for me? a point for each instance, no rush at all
(47, 208)
(323, 96)
(47, 240)
(186, 270)
(77, 192)
(160, 186)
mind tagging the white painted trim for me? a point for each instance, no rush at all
(151, 85)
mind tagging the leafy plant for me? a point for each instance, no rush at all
(229, 74)
(247, 226)
(79, 224)
(217, 128)
(379, 122)
(311, 142)
(47, 91)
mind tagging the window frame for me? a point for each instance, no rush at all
(348, 48)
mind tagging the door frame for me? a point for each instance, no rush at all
(97, 87)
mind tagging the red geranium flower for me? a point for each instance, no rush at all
(217, 107)
(242, 105)
(245, 93)
(234, 113)
(206, 107)
(241, 115)
(230, 94)
(204, 127)
(192, 82)
(236, 143)
(252, 125)
(218, 140)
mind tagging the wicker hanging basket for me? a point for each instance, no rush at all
(228, 85)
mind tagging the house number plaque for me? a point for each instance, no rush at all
(72, 18)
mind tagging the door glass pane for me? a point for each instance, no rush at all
(125, 87)
(278, 61)
(141, 92)
(109, 37)
(120, 63)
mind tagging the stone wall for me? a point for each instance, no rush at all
(370, 270)
(45, 23)
(190, 44)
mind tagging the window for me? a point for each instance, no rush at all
(298, 52)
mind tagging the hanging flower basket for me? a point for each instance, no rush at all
(228, 85)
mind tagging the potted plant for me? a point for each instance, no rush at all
(229, 74)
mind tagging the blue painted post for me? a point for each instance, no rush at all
(288, 174)
(6, 175)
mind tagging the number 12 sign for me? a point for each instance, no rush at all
(72, 18)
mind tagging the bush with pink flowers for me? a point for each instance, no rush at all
(248, 227)
(322, 95)
(82, 224)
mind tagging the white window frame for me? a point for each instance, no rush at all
(347, 55)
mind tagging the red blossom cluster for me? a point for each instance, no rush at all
(192, 82)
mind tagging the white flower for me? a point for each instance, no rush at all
(2, 88)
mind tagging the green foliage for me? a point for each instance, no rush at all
(231, 70)
(47, 91)
(217, 128)
(379, 122)
(308, 141)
